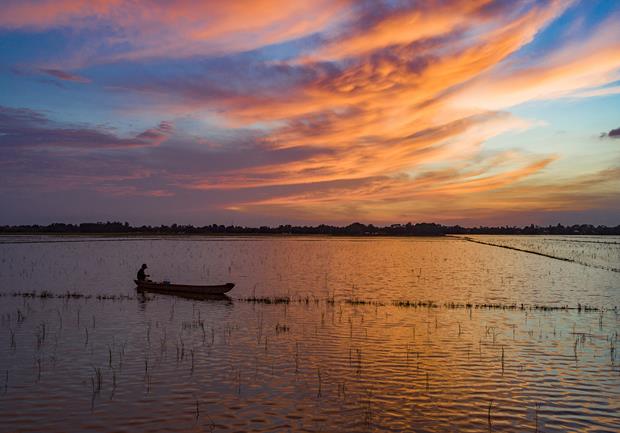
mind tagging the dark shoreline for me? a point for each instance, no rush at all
(355, 229)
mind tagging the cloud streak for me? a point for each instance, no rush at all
(64, 75)
(24, 128)
(137, 30)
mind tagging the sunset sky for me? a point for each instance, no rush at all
(323, 111)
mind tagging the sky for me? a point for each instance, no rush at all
(272, 112)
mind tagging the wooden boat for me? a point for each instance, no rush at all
(167, 287)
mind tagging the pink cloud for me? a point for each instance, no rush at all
(174, 29)
(64, 75)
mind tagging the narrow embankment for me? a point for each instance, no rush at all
(538, 253)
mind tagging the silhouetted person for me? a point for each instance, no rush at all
(141, 274)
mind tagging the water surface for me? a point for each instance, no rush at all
(339, 356)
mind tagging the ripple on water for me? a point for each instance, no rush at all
(170, 364)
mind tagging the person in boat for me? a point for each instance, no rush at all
(142, 276)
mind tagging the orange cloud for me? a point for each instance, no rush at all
(578, 65)
(383, 123)
(394, 89)
(51, 13)
(430, 197)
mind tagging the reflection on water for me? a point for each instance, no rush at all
(438, 269)
(162, 363)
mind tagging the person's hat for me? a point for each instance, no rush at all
(144, 265)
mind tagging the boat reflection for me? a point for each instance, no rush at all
(185, 295)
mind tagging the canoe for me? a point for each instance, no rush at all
(166, 287)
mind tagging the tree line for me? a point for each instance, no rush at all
(354, 229)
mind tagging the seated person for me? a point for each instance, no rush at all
(141, 274)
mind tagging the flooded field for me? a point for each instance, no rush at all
(596, 251)
(319, 335)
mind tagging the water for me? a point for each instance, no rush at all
(320, 362)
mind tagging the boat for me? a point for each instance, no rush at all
(183, 289)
